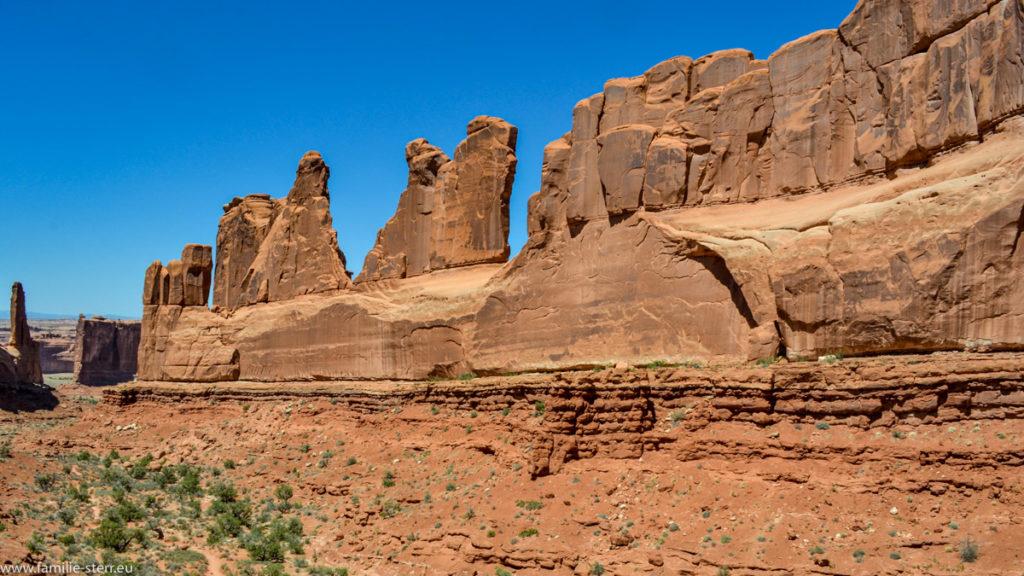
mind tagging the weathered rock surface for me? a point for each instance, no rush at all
(861, 190)
(19, 362)
(300, 253)
(453, 212)
(106, 351)
(243, 228)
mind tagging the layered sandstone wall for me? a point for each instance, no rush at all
(860, 191)
(106, 351)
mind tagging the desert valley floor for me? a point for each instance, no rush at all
(885, 465)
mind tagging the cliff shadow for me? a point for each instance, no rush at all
(27, 398)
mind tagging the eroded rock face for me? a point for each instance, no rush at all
(20, 361)
(843, 195)
(898, 82)
(453, 212)
(300, 253)
(242, 230)
(106, 351)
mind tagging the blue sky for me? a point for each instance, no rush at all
(127, 125)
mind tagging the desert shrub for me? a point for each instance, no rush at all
(79, 493)
(188, 480)
(141, 467)
(46, 482)
(529, 504)
(389, 508)
(36, 545)
(230, 515)
(597, 569)
(111, 535)
(529, 532)
(968, 550)
(284, 492)
(66, 516)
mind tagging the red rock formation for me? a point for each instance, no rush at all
(300, 253)
(453, 212)
(861, 190)
(243, 228)
(106, 351)
(19, 362)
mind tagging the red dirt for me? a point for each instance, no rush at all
(786, 469)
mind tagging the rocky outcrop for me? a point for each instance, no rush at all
(19, 362)
(860, 191)
(196, 352)
(453, 212)
(106, 351)
(273, 250)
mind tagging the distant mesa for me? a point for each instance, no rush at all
(106, 351)
(858, 191)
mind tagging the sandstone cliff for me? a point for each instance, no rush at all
(106, 351)
(860, 191)
(19, 362)
(453, 212)
(269, 250)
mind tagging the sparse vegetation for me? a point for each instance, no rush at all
(529, 504)
(968, 550)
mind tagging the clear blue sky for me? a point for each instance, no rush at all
(126, 125)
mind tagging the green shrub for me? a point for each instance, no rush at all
(5, 451)
(389, 508)
(36, 545)
(141, 467)
(529, 504)
(284, 492)
(529, 532)
(389, 479)
(229, 464)
(822, 425)
(46, 482)
(467, 376)
(79, 493)
(111, 535)
(858, 555)
(597, 569)
(968, 550)
(66, 516)
(539, 408)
